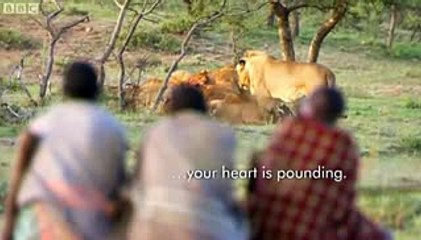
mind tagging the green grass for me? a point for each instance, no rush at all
(383, 89)
(398, 211)
(11, 39)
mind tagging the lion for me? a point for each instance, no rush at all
(264, 75)
(237, 113)
(224, 75)
(179, 76)
(244, 108)
(200, 79)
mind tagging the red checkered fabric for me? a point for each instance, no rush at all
(309, 208)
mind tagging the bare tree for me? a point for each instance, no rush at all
(55, 34)
(183, 52)
(337, 14)
(120, 55)
(113, 39)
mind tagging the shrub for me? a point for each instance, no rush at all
(11, 39)
(74, 11)
(155, 40)
(179, 25)
(406, 51)
(412, 104)
(411, 143)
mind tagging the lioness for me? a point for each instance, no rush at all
(264, 75)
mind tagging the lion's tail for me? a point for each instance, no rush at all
(331, 79)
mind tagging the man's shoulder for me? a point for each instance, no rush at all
(195, 121)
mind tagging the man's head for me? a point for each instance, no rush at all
(80, 81)
(325, 104)
(186, 97)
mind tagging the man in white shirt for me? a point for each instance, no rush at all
(70, 167)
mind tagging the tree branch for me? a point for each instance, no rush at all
(120, 55)
(338, 13)
(55, 36)
(183, 51)
(72, 24)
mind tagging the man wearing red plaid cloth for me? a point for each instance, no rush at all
(306, 189)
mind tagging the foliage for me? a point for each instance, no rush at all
(153, 39)
(412, 21)
(411, 144)
(367, 16)
(76, 11)
(11, 39)
(413, 104)
(406, 51)
(179, 25)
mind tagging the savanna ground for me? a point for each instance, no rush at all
(383, 89)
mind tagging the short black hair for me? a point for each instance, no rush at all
(186, 97)
(335, 103)
(80, 81)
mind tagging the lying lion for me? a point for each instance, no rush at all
(250, 110)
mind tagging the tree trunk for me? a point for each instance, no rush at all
(316, 43)
(270, 20)
(392, 26)
(284, 31)
(295, 24)
(120, 60)
(234, 47)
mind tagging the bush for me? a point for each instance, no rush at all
(155, 40)
(74, 11)
(411, 143)
(412, 104)
(10, 39)
(178, 25)
(406, 51)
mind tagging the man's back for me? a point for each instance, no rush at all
(81, 146)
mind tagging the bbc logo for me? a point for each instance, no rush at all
(20, 8)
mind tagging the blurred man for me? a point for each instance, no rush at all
(170, 203)
(70, 168)
(316, 200)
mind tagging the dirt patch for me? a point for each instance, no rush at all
(7, 142)
(396, 90)
(85, 41)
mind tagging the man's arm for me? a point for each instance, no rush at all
(28, 145)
